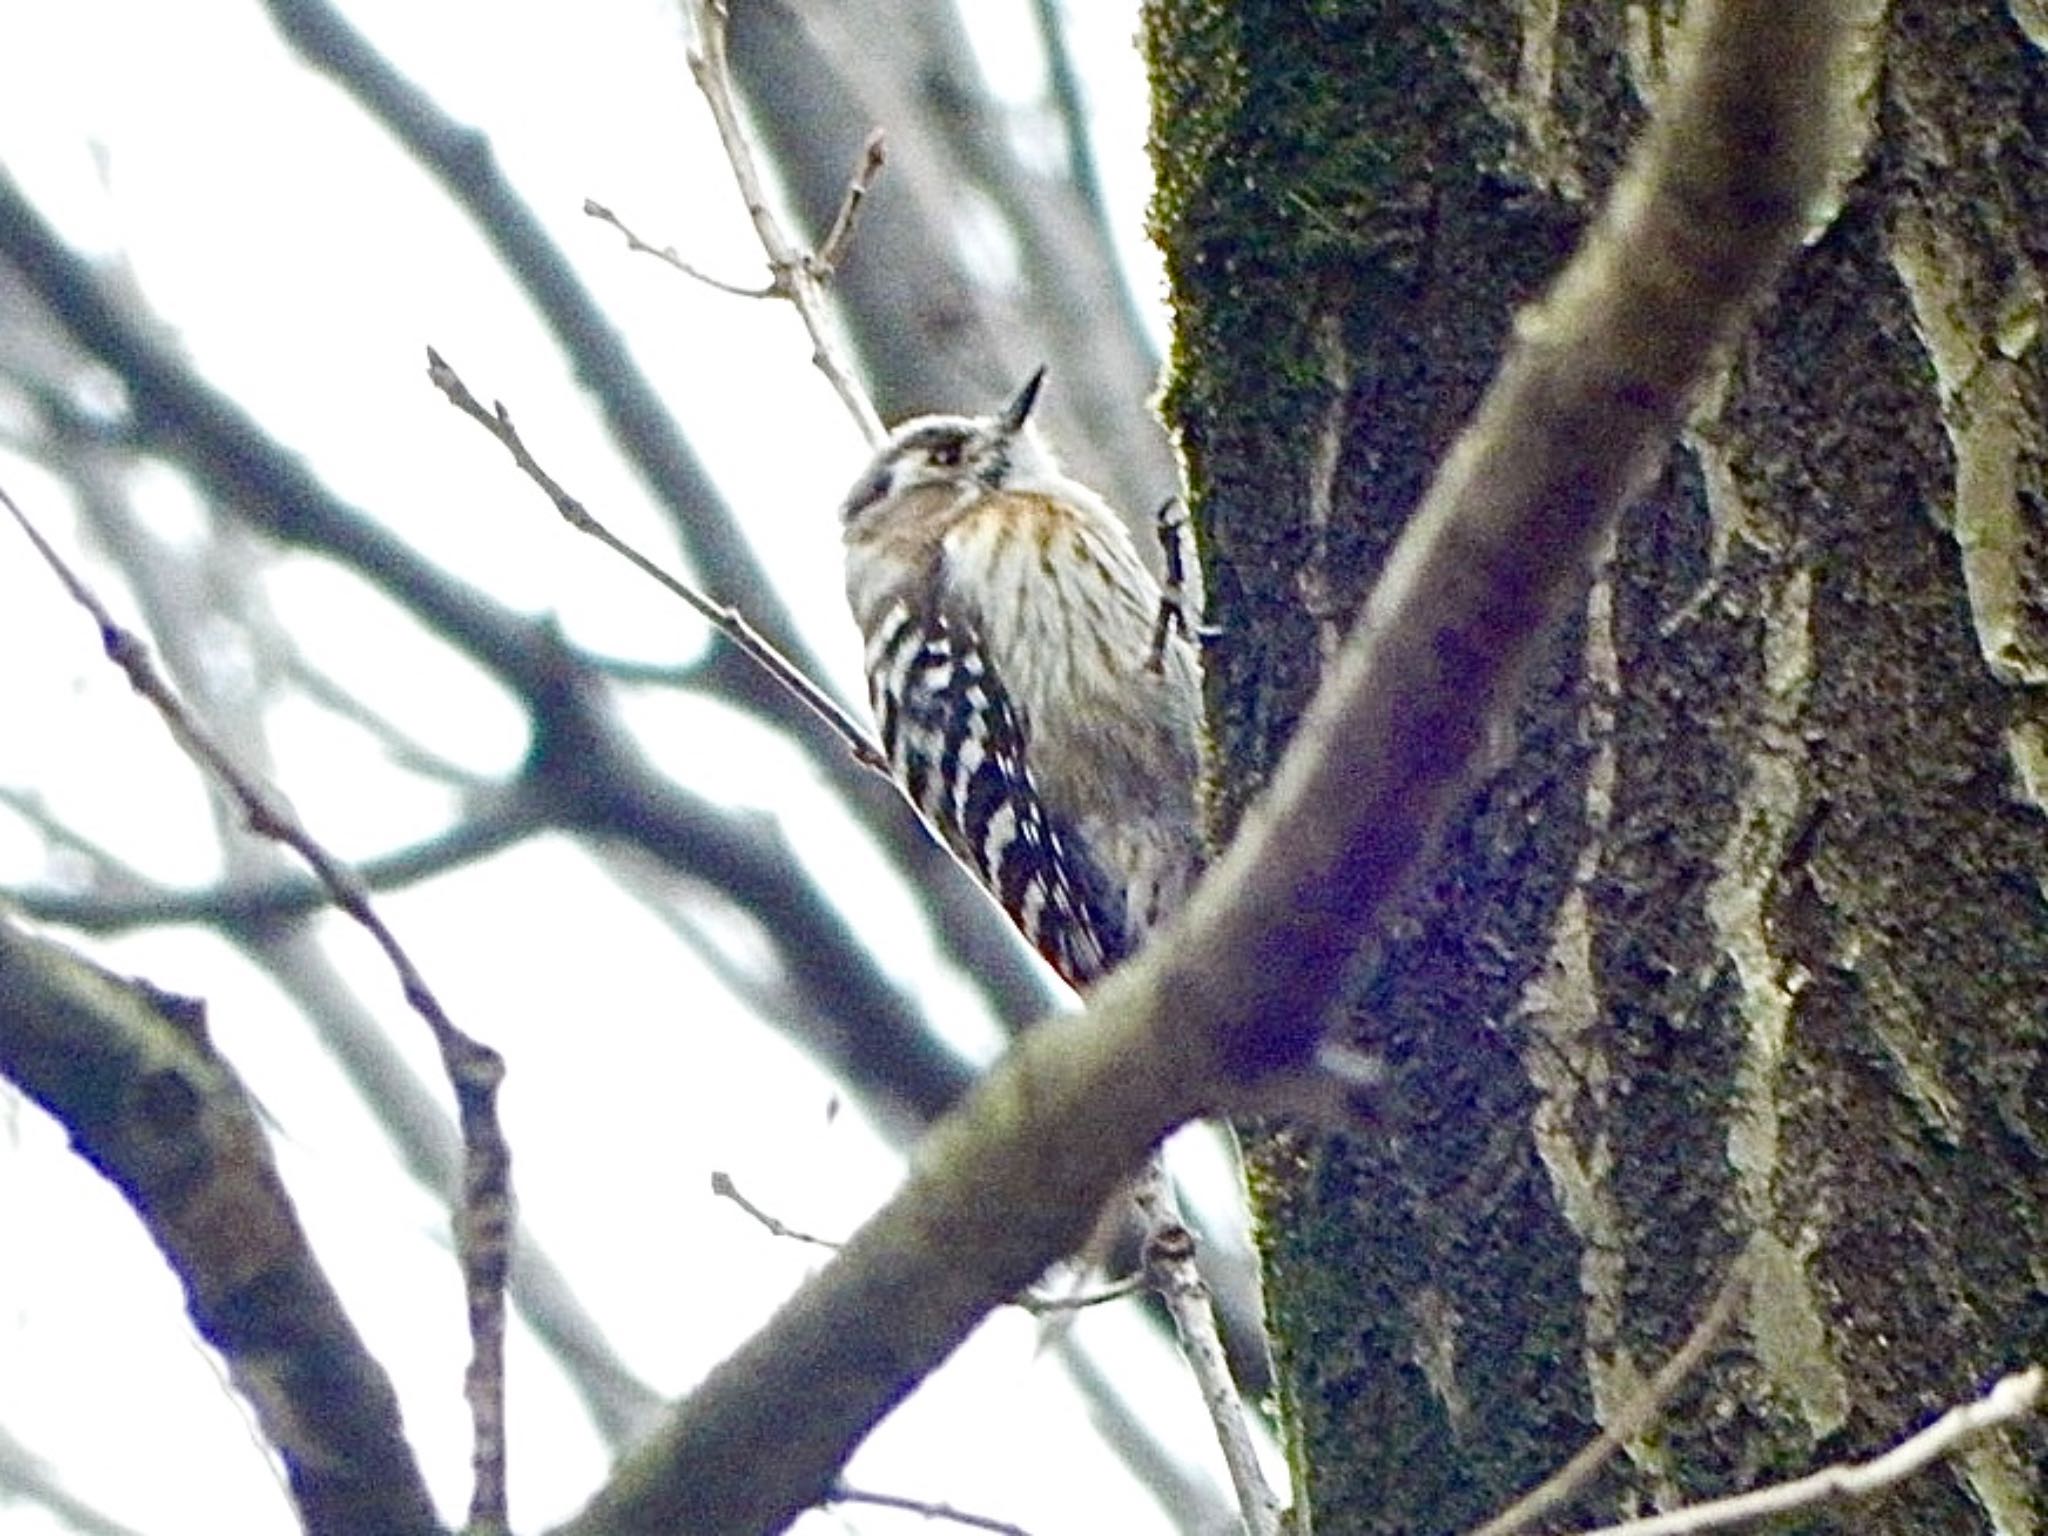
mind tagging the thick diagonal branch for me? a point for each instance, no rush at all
(130, 1073)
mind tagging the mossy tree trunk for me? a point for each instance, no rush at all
(1742, 953)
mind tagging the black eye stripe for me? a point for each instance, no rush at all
(940, 442)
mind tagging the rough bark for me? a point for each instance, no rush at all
(1740, 953)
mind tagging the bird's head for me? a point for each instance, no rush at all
(995, 452)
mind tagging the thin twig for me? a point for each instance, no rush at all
(832, 249)
(596, 210)
(798, 274)
(1038, 1304)
(726, 619)
(723, 1187)
(841, 1494)
(2009, 1398)
(820, 263)
(1635, 1415)
(484, 1217)
(1170, 1263)
(1033, 1302)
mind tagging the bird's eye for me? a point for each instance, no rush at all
(946, 455)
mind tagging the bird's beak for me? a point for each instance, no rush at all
(873, 487)
(1012, 420)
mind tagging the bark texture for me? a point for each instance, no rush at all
(1740, 955)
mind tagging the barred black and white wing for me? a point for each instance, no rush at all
(960, 749)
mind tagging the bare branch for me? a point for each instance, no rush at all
(841, 1494)
(474, 1070)
(1635, 1416)
(129, 1072)
(798, 274)
(2009, 1398)
(723, 1187)
(832, 249)
(1033, 1302)
(819, 264)
(1170, 1264)
(727, 620)
(596, 210)
(1039, 1304)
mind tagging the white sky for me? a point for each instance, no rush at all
(307, 266)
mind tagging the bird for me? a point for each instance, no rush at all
(1034, 704)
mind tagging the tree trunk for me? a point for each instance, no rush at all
(1739, 956)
